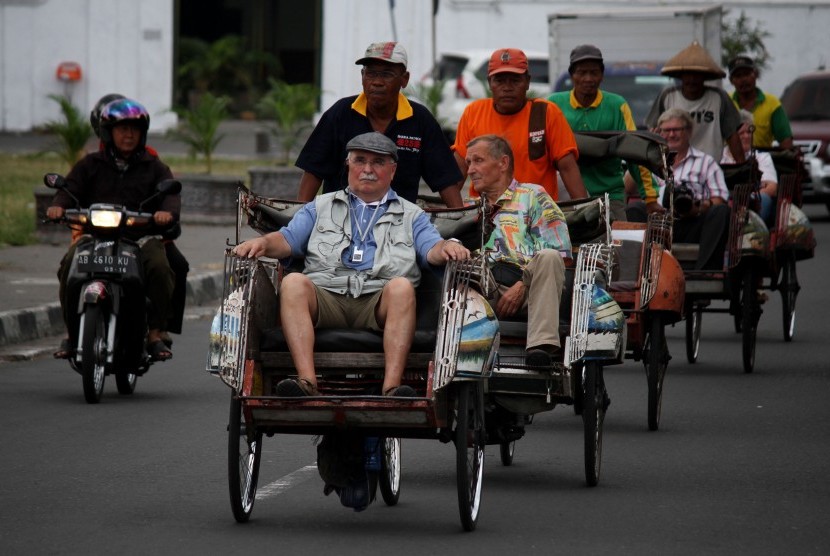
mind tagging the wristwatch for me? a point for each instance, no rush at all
(455, 240)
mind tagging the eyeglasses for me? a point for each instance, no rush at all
(670, 130)
(362, 161)
(746, 129)
(385, 75)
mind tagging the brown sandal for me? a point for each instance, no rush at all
(65, 350)
(296, 388)
(402, 391)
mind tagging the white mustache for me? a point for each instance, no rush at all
(369, 177)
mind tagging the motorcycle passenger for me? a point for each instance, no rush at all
(175, 257)
(706, 218)
(124, 172)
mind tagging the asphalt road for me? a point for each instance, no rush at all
(739, 465)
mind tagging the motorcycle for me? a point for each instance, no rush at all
(105, 282)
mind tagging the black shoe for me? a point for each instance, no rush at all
(402, 391)
(541, 356)
(538, 358)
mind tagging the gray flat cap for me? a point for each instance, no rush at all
(373, 142)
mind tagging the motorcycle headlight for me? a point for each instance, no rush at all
(105, 218)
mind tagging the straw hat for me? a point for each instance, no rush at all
(693, 58)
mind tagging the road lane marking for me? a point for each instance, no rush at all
(284, 483)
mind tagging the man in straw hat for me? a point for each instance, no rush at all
(715, 116)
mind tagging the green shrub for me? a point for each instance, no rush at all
(199, 127)
(73, 132)
(291, 106)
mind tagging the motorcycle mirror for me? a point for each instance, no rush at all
(54, 181)
(169, 187)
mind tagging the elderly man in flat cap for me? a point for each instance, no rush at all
(716, 120)
(363, 248)
(423, 151)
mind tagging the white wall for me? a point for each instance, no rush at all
(123, 46)
(799, 40)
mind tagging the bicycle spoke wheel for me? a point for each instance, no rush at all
(125, 382)
(506, 451)
(469, 449)
(390, 470)
(595, 402)
(789, 292)
(656, 362)
(244, 455)
(694, 322)
(750, 314)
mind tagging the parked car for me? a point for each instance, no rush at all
(464, 74)
(807, 102)
(638, 82)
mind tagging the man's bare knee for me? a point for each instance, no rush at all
(295, 284)
(399, 289)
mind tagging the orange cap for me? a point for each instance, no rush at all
(509, 60)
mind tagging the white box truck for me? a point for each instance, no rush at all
(635, 43)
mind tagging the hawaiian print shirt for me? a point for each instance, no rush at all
(525, 220)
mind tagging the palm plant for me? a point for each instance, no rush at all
(292, 107)
(73, 131)
(199, 127)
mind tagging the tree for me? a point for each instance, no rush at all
(225, 67)
(742, 35)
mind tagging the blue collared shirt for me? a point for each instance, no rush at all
(363, 218)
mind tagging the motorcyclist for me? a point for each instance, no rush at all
(175, 257)
(124, 172)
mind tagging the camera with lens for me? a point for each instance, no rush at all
(683, 198)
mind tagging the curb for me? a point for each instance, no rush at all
(44, 321)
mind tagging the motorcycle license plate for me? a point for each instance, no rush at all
(111, 264)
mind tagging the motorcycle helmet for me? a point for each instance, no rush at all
(123, 110)
(95, 115)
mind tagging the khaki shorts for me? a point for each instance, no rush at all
(335, 310)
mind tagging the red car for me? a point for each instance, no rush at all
(807, 102)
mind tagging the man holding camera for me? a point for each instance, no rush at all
(701, 212)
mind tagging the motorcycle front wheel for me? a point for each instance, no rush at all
(94, 352)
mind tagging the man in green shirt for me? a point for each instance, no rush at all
(771, 122)
(587, 108)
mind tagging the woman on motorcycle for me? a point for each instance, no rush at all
(124, 172)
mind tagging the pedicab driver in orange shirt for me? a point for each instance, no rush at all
(536, 129)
